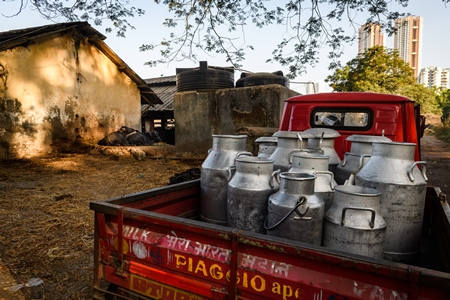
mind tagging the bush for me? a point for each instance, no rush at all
(445, 115)
(442, 132)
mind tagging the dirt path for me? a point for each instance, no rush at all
(437, 155)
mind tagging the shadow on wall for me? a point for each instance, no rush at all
(22, 138)
(60, 89)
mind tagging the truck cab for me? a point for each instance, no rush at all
(393, 116)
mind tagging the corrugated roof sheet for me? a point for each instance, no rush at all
(14, 38)
(170, 80)
(165, 88)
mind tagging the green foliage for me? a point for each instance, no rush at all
(442, 132)
(218, 26)
(443, 101)
(382, 70)
(378, 69)
(425, 96)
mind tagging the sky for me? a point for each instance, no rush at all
(435, 49)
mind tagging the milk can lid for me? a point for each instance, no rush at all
(267, 139)
(293, 134)
(327, 132)
(367, 138)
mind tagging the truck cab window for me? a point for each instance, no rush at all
(341, 119)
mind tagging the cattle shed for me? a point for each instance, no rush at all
(160, 117)
(60, 82)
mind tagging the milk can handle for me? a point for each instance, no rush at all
(229, 174)
(295, 151)
(209, 150)
(351, 179)
(423, 170)
(301, 140)
(300, 201)
(327, 173)
(372, 219)
(243, 153)
(361, 161)
(344, 161)
(321, 141)
(276, 176)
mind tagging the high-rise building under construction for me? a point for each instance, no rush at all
(408, 41)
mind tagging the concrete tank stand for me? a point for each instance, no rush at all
(200, 114)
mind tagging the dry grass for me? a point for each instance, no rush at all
(46, 226)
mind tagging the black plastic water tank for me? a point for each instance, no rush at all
(262, 78)
(204, 78)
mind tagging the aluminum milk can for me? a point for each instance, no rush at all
(353, 223)
(215, 175)
(392, 170)
(316, 164)
(360, 151)
(323, 142)
(266, 145)
(288, 143)
(295, 212)
(248, 193)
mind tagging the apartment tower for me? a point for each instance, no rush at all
(408, 41)
(435, 77)
(369, 35)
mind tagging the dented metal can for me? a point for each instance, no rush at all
(248, 193)
(215, 174)
(316, 164)
(392, 170)
(353, 223)
(295, 212)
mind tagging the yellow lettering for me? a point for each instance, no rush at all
(228, 276)
(216, 272)
(276, 288)
(201, 267)
(262, 285)
(244, 280)
(190, 264)
(180, 260)
(287, 292)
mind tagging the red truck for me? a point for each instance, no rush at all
(150, 245)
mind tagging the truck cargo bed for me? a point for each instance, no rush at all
(166, 253)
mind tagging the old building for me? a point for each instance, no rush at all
(61, 81)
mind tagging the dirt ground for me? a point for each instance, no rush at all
(47, 229)
(46, 226)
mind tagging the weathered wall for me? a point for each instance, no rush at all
(60, 88)
(199, 115)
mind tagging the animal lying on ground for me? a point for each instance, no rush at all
(127, 136)
(117, 138)
(137, 138)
